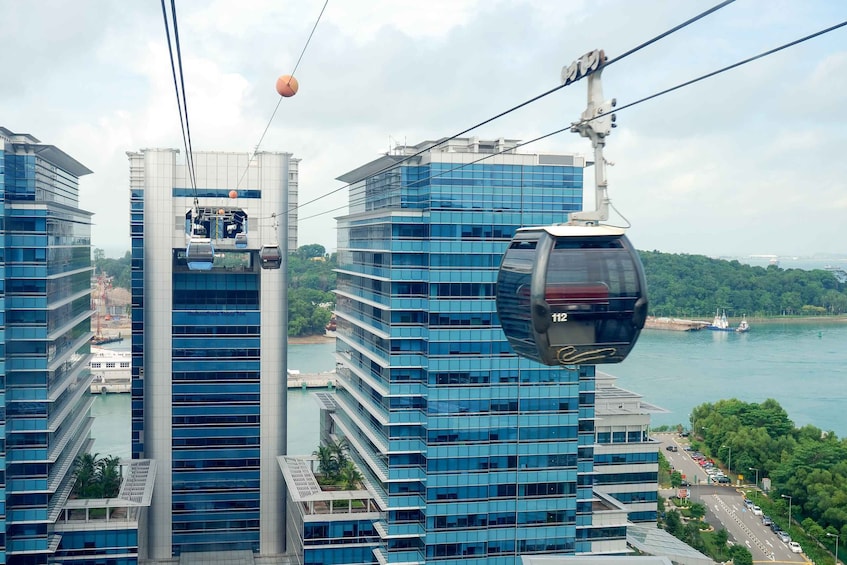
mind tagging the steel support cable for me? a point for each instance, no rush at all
(176, 89)
(674, 29)
(190, 155)
(278, 102)
(530, 101)
(624, 107)
(729, 67)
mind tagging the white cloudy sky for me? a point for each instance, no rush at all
(751, 161)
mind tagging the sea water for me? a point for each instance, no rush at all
(803, 366)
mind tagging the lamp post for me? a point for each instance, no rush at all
(789, 507)
(729, 462)
(757, 476)
(836, 536)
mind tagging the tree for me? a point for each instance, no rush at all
(326, 460)
(741, 555)
(109, 475)
(339, 449)
(350, 475)
(311, 250)
(697, 510)
(721, 537)
(85, 475)
(96, 477)
(333, 460)
(673, 524)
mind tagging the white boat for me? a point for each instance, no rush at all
(743, 326)
(111, 370)
(720, 323)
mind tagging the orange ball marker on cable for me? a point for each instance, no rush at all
(287, 86)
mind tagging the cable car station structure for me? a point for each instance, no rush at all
(208, 345)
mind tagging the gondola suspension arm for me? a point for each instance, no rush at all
(596, 124)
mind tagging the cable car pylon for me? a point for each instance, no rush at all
(575, 293)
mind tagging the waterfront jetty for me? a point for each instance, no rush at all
(674, 324)
(296, 379)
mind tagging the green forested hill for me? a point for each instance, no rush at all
(681, 285)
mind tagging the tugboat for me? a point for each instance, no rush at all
(720, 323)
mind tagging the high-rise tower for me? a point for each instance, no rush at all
(473, 454)
(45, 305)
(208, 375)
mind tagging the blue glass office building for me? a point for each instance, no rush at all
(208, 372)
(626, 460)
(45, 310)
(473, 454)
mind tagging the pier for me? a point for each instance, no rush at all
(674, 324)
(296, 379)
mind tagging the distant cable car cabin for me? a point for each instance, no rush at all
(199, 253)
(270, 257)
(241, 240)
(571, 294)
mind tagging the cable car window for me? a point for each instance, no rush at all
(520, 256)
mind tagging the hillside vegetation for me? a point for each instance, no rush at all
(680, 285)
(807, 465)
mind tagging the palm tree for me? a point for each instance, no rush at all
(339, 449)
(350, 475)
(85, 475)
(326, 460)
(110, 476)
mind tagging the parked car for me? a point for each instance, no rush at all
(766, 520)
(756, 510)
(795, 547)
(783, 536)
(685, 484)
(722, 479)
(748, 503)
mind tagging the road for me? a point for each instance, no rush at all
(725, 507)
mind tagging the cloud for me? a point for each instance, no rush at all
(748, 161)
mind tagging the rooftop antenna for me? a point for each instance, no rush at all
(596, 124)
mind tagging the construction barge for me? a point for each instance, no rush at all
(674, 324)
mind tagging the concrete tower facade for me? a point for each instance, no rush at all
(208, 382)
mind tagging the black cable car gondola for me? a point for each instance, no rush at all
(571, 294)
(270, 257)
(575, 293)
